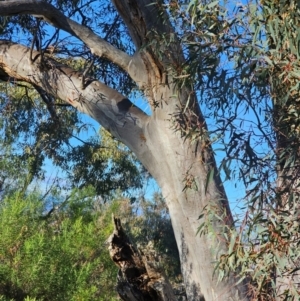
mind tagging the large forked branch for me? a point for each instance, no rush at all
(110, 108)
(52, 15)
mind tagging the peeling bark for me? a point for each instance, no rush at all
(139, 278)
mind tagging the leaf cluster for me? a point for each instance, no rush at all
(54, 256)
(30, 136)
(242, 60)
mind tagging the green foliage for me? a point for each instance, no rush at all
(54, 247)
(242, 60)
(36, 128)
(110, 167)
(57, 256)
(30, 135)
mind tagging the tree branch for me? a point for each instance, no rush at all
(150, 34)
(50, 14)
(48, 101)
(104, 104)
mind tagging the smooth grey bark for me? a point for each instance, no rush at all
(180, 167)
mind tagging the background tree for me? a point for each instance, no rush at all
(31, 138)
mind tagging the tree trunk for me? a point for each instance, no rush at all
(284, 49)
(139, 278)
(172, 143)
(288, 188)
(181, 169)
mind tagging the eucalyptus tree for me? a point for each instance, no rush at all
(138, 46)
(252, 90)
